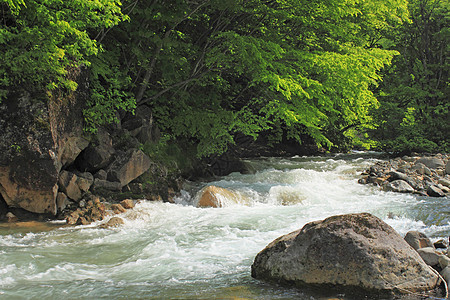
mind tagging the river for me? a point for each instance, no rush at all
(178, 251)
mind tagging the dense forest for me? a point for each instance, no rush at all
(343, 74)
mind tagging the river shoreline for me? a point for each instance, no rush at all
(425, 175)
(167, 250)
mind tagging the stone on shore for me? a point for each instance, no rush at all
(444, 261)
(399, 186)
(68, 184)
(429, 256)
(61, 201)
(431, 162)
(418, 240)
(434, 191)
(355, 253)
(445, 273)
(117, 208)
(11, 218)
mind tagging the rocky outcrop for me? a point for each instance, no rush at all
(356, 253)
(38, 138)
(48, 166)
(420, 175)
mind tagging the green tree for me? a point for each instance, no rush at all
(414, 113)
(210, 69)
(43, 43)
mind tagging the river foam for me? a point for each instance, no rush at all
(176, 250)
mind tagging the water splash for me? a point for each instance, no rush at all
(179, 251)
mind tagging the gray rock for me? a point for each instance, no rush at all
(355, 253)
(429, 255)
(11, 218)
(420, 168)
(447, 167)
(94, 158)
(106, 185)
(443, 188)
(71, 149)
(84, 181)
(418, 240)
(440, 244)
(444, 261)
(445, 273)
(101, 174)
(61, 201)
(444, 182)
(129, 167)
(431, 162)
(434, 191)
(399, 186)
(394, 175)
(68, 184)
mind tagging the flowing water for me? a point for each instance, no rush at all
(178, 251)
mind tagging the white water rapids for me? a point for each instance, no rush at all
(178, 251)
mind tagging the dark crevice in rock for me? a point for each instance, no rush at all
(3, 207)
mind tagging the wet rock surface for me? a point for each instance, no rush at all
(427, 176)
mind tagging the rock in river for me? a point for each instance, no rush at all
(354, 253)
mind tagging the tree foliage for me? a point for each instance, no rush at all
(415, 114)
(210, 69)
(41, 42)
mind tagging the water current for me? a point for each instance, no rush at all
(178, 251)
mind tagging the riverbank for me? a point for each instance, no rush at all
(423, 175)
(167, 250)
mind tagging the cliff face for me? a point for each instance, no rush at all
(48, 167)
(36, 140)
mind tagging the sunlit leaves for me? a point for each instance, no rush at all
(41, 41)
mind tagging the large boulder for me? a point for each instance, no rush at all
(354, 253)
(129, 166)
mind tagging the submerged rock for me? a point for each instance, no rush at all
(127, 203)
(113, 222)
(356, 253)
